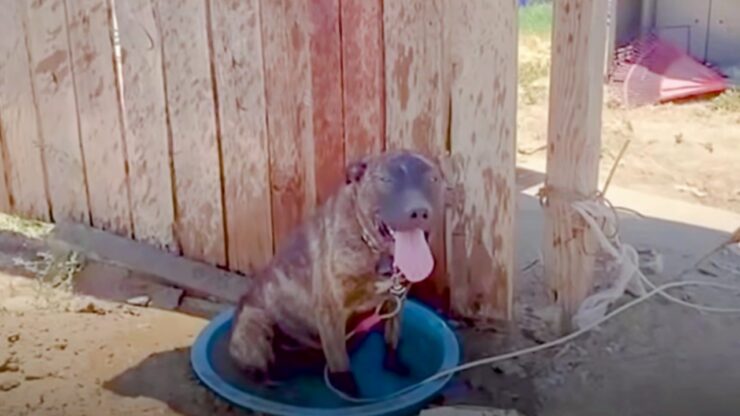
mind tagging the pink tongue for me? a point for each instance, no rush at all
(412, 255)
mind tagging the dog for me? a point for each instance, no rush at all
(338, 264)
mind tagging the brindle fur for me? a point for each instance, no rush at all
(330, 268)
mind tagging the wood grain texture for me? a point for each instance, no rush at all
(145, 120)
(237, 52)
(286, 36)
(574, 140)
(101, 133)
(192, 118)
(415, 94)
(53, 83)
(326, 93)
(363, 75)
(19, 130)
(481, 39)
(416, 102)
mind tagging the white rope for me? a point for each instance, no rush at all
(593, 310)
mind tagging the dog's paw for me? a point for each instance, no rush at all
(393, 363)
(345, 382)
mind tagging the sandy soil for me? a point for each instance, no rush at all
(67, 355)
(688, 151)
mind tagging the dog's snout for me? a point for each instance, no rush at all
(419, 213)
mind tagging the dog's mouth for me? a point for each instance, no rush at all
(387, 232)
(411, 252)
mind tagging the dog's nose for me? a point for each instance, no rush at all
(419, 213)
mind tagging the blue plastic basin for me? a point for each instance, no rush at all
(428, 346)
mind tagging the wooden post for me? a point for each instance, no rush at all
(574, 138)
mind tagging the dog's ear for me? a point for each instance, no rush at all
(355, 171)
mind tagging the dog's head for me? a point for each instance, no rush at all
(401, 196)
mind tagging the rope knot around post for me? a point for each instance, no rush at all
(601, 223)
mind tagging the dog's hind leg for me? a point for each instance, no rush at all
(251, 343)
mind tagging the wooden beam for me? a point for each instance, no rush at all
(574, 140)
(481, 41)
(195, 278)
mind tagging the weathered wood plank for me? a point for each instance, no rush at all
(237, 50)
(5, 198)
(415, 94)
(190, 99)
(363, 74)
(90, 33)
(53, 84)
(574, 140)
(286, 37)
(19, 128)
(416, 102)
(145, 120)
(326, 82)
(195, 278)
(481, 41)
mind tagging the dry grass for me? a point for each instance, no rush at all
(728, 101)
(28, 228)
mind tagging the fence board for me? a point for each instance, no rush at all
(285, 45)
(326, 81)
(189, 90)
(19, 121)
(145, 119)
(90, 34)
(55, 98)
(237, 49)
(482, 39)
(415, 100)
(364, 84)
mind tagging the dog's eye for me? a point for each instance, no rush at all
(434, 179)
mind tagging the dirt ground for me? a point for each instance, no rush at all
(63, 354)
(688, 151)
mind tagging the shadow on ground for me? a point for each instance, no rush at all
(168, 378)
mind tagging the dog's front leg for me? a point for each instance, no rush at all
(392, 334)
(332, 324)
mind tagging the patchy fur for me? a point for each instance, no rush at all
(330, 268)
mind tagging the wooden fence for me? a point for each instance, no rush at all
(222, 123)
